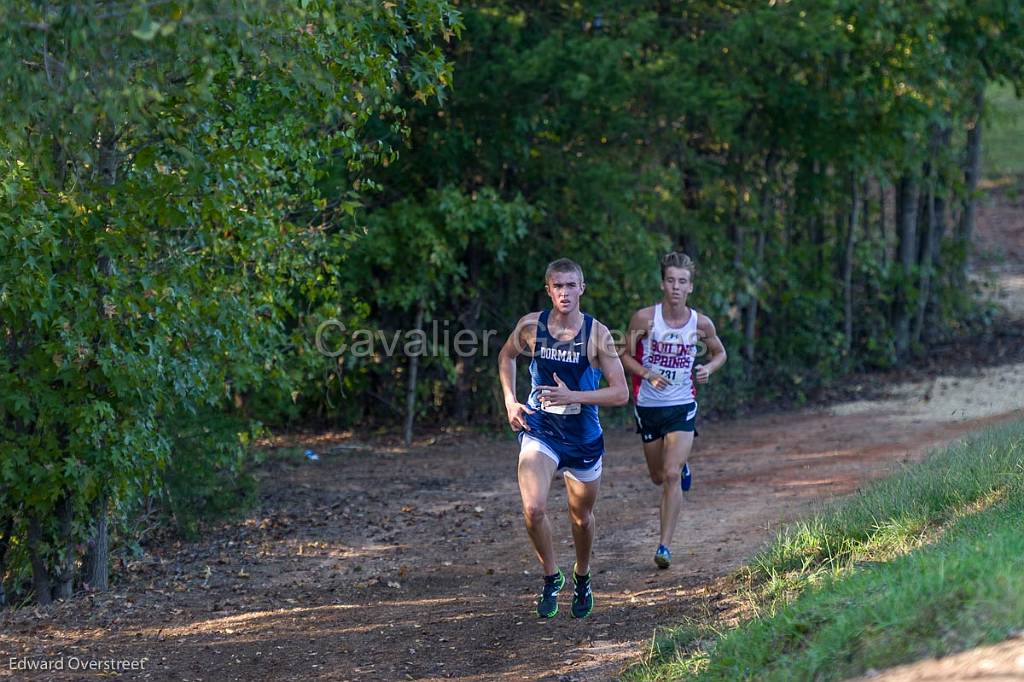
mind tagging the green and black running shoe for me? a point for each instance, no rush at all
(582, 596)
(547, 604)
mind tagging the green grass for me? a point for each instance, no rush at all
(1002, 140)
(928, 562)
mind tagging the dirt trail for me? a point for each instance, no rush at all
(1003, 661)
(391, 564)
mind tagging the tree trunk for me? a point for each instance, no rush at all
(847, 265)
(410, 393)
(40, 574)
(767, 220)
(750, 311)
(865, 207)
(96, 563)
(883, 229)
(868, 223)
(931, 256)
(940, 231)
(907, 252)
(972, 169)
(739, 237)
(818, 218)
(97, 558)
(5, 543)
(942, 142)
(464, 367)
(941, 220)
(925, 260)
(65, 574)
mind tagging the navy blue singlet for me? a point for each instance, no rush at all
(576, 438)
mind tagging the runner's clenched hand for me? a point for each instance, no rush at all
(559, 394)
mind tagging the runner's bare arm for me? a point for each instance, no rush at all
(615, 393)
(518, 342)
(639, 327)
(709, 337)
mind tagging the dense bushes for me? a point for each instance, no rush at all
(190, 190)
(160, 211)
(818, 159)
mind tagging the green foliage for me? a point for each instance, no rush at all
(1004, 132)
(843, 592)
(734, 132)
(160, 169)
(190, 191)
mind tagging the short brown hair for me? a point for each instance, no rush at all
(562, 265)
(678, 259)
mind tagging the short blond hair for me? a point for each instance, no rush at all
(678, 259)
(562, 265)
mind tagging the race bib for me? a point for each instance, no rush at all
(571, 408)
(669, 375)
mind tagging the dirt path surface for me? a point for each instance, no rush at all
(1003, 661)
(382, 563)
(390, 564)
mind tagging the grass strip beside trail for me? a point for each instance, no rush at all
(927, 562)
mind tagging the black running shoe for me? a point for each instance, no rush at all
(547, 603)
(582, 596)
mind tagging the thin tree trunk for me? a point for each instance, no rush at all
(97, 558)
(739, 247)
(938, 225)
(65, 574)
(941, 220)
(750, 311)
(818, 217)
(943, 140)
(5, 543)
(767, 220)
(925, 260)
(909, 191)
(410, 393)
(847, 265)
(940, 231)
(464, 367)
(97, 561)
(865, 209)
(883, 230)
(868, 222)
(972, 169)
(40, 574)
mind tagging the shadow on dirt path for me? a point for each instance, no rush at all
(391, 564)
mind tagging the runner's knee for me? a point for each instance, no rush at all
(671, 475)
(582, 521)
(534, 513)
(657, 478)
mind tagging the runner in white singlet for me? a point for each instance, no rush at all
(664, 343)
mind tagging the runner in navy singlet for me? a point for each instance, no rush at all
(664, 343)
(558, 427)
